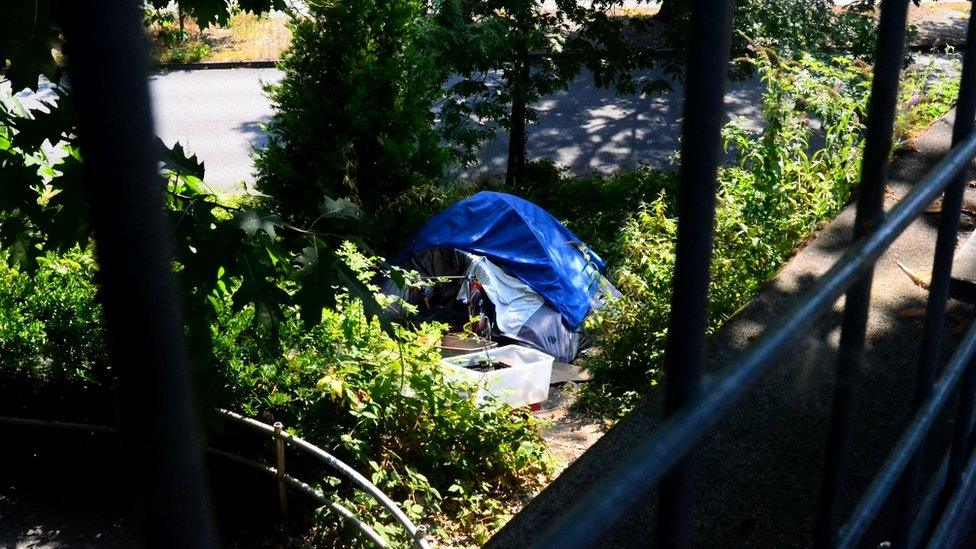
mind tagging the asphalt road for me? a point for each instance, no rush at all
(218, 115)
(587, 129)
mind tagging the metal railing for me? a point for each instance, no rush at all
(664, 461)
(281, 438)
(108, 73)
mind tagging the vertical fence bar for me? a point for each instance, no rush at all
(962, 128)
(107, 55)
(701, 141)
(869, 214)
(962, 431)
(956, 520)
(933, 331)
(279, 443)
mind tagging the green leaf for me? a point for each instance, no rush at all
(52, 123)
(359, 290)
(342, 208)
(265, 296)
(316, 279)
(176, 160)
(252, 221)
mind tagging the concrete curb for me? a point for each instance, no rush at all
(173, 67)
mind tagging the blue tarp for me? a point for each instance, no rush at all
(526, 241)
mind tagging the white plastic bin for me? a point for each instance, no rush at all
(524, 382)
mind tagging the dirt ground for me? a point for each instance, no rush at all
(567, 433)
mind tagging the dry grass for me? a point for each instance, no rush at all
(937, 11)
(964, 7)
(250, 38)
(247, 37)
(635, 11)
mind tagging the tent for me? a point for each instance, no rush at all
(541, 280)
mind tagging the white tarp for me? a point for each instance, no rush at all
(515, 302)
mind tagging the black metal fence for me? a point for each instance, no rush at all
(665, 461)
(107, 69)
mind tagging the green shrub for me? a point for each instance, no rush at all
(52, 341)
(794, 28)
(167, 28)
(393, 223)
(387, 408)
(189, 52)
(926, 94)
(170, 41)
(354, 112)
(381, 404)
(778, 189)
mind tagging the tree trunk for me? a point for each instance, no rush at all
(515, 174)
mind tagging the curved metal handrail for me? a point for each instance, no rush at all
(308, 490)
(416, 533)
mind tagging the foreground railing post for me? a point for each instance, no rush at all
(935, 310)
(701, 147)
(107, 55)
(280, 472)
(963, 127)
(869, 215)
(638, 471)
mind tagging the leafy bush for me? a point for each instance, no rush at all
(779, 188)
(378, 402)
(52, 341)
(387, 407)
(190, 52)
(170, 40)
(240, 252)
(268, 329)
(165, 26)
(397, 220)
(353, 114)
(802, 27)
(926, 93)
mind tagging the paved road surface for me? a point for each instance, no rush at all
(588, 129)
(218, 114)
